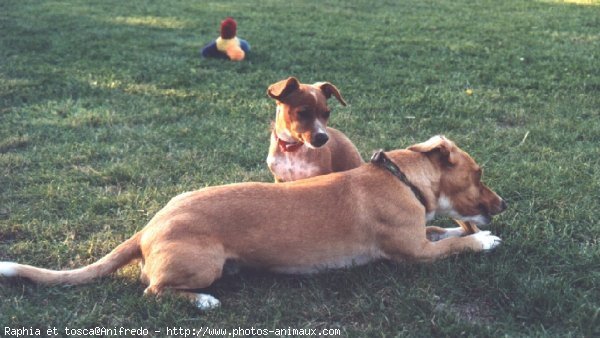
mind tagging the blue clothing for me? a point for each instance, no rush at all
(210, 50)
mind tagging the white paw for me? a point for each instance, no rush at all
(206, 302)
(487, 240)
(8, 269)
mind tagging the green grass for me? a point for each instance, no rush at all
(107, 111)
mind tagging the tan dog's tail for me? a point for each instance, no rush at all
(121, 255)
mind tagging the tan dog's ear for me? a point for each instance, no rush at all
(283, 88)
(439, 143)
(328, 89)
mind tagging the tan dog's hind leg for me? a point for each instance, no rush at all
(179, 267)
(202, 301)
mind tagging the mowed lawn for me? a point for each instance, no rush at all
(107, 111)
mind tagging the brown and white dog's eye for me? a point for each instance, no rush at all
(326, 114)
(303, 114)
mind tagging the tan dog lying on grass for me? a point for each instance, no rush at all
(376, 211)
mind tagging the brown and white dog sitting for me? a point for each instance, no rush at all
(302, 145)
(376, 211)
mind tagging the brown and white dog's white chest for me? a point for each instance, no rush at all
(293, 165)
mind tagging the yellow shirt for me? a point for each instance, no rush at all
(223, 44)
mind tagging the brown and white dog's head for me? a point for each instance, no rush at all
(302, 111)
(461, 194)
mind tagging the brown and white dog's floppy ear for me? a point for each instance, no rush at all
(328, 89)
(446, 148)
(283, 88)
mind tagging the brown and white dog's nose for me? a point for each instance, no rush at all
(319, 139)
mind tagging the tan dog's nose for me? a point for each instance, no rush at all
(319, 139)
(503, 206)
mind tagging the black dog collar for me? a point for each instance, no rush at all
(380, 159)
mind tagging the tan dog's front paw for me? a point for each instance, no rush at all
(435, 234)
(487, 240)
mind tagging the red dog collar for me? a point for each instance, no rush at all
(288, 147)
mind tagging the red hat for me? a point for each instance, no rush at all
(228, 28)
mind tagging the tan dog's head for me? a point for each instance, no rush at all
(462, 194)
(302, 111)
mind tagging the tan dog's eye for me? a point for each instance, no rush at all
(326, 114)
